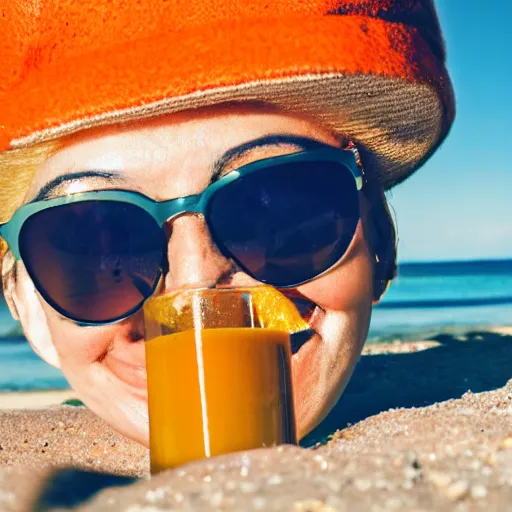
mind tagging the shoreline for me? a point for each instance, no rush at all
(37, 399)
(433, 331)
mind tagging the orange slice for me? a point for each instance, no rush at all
(261, 306)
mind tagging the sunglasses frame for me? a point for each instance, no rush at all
(168, 210)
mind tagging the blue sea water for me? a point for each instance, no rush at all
(425, 296)
(22, 370)
(443, 294)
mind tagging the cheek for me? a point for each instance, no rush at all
(348, 286)
(78, 345)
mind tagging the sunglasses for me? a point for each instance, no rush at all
(95, 257)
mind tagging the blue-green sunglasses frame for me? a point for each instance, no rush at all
(165, 211)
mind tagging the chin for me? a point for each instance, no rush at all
(136, 422)
(322, 367)
(120, 402)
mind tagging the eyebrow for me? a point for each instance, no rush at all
(46, 191)
(303, 143)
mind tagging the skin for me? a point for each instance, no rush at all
(169, 157)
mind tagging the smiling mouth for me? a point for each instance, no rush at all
(135, 374)
(307, 310)
(305, 306)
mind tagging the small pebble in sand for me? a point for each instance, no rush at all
(275, 479)
(216, 499)
(457, 490)
(398, 461)
(230, 485)
(507, 442)
(478, 491)
(156, 495)
(487, 471)
(321, 461)
(244, 471)
(334, 485)
(475, 465)
(248, 487)
(178, 497)
(411, 473)
(381, 483)
(312, 506)
(363, 484)
(259, 503)
(449, 450)
(438, 478)
(394, 503)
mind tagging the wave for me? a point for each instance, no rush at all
(444, 303)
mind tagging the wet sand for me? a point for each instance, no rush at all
(439, 447)
(35, 399)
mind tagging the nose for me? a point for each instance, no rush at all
(194, 259)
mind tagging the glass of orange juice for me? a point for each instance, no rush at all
(218, 369)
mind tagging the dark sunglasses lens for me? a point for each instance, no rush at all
(289, 223)
(93, 261)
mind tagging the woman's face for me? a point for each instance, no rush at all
(170, 157)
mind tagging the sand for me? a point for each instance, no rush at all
(455, 454)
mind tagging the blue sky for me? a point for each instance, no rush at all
(459, 204)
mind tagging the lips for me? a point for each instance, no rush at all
(309, 312)
(305, 306)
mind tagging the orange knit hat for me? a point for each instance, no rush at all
(373, 70)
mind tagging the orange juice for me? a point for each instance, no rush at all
(220, 390)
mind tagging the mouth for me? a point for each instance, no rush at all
(305, 306)
(309, 312)
(133, 374)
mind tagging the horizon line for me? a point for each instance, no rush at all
(456, 260)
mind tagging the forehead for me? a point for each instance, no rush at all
(174, 147)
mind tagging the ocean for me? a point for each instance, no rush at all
(439, 295)
(426, 297)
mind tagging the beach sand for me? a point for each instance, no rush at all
(419, 440)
